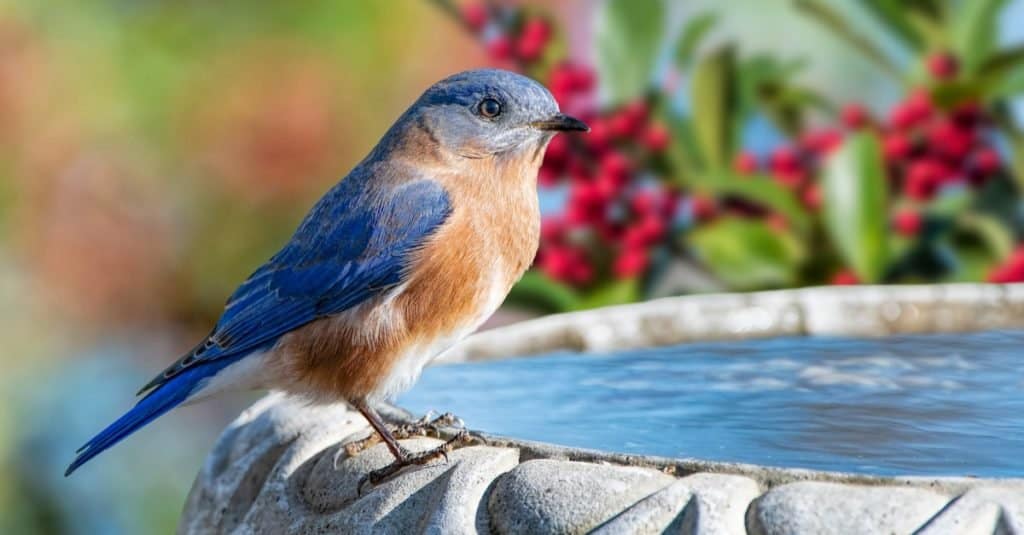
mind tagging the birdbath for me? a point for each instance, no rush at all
(820, 410)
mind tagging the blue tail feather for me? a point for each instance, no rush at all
(162, 399)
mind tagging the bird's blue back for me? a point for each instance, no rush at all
(353, 245)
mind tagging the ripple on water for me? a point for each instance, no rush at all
(922, 404)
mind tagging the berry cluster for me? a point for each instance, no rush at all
(614, 210)
(506, 36)
(926, 149)
(623, 210)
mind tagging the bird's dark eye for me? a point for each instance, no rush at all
(489, 108)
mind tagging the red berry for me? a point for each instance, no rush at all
(703, 208)
(636, 110)
(792, 178)
(607, 186)
(784, 159)
(616, 163)
(623, 125)
(558, 150)
(907, 223)
(500, 48)
(547, 175)
(967, 114)
(600, 135)
(530, 48)
(656, 137)
(653, 229)
(987, 160)
(923, 179)
(845, 277)
(919, 104)
(533, 39)
(943, 66)
(949, 140)
(475, 14)
(537, 28)
(552, 229)
(901, 117)
(562, 78)
(631, 262)
(855, 116)
(822, 141)
(643, 203)
(582, 271)
(583, 79)
(745, 163)
(895, 147)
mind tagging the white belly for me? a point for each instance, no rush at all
(409, 366)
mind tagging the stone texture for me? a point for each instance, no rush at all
(720, 505)
(281, 468)
(700, 504)
(548, 496)
(825, 508)
(985, 510)
(845, 311)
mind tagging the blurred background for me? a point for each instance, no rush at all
(153, 153)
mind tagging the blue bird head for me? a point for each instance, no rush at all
(487, 112)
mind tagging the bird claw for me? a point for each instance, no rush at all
(378, 476)
(429, 427)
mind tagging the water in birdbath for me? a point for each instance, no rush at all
(950, 404)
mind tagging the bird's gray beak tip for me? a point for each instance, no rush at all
(560, 122)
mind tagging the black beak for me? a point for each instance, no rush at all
(560, 122)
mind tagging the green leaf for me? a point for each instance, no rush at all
(628, 36)
(1000, 68)
(989, 231)
(971, 263)
(537, 291)
(1002, 61)
(617, 292)
(839, 26)
(893, 15)
(746, 254)
(715, 107)
(689, 39)
(975, 31)
(855, 205)
(765, 192)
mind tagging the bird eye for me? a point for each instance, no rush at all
(489, 108)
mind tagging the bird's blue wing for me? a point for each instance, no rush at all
(353, 245)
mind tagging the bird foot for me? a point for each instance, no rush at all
(424, 427)
(461, 439)
(429, 427)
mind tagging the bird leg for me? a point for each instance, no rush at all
(425, 426)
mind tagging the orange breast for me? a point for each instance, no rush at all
(455, 282)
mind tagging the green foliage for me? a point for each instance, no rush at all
(628, 37)
(539, 292)
(855, 205)
(747, 254)
(715, 106)
(690, 38)
(974, 31)
(828, 16)
(765, 192)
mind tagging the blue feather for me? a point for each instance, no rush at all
(354, 244)
(156, 403)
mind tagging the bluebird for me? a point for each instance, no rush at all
(398, 261)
